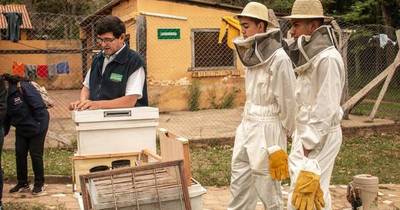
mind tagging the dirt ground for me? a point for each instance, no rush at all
(60, 196)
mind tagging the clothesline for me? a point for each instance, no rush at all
(33, 71)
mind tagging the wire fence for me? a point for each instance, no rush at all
(187, 68)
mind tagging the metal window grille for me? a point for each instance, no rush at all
(208, 53)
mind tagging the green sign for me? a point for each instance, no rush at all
(169, 33)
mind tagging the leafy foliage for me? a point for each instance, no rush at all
(356, 11)
(70, 7)
(194, 96)
(226, 101)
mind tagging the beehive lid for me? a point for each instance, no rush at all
(102, 115)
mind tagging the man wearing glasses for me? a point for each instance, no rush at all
(117, 78)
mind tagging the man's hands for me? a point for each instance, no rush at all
(122, 102)
(84, 105)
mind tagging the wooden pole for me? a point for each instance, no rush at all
(376, 81)
(389, 77)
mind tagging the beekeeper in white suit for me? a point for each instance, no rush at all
(320, 81)
(259, 159)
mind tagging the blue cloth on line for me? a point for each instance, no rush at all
(62, 68)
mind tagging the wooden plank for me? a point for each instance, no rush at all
(82, 164)
(117, 155)
(184, 187)
(174, 147)
(151, 154)
(394, 66)
(187, 163)
(134, 169)
(364, 91)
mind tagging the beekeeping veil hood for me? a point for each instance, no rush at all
(307, 46)
(257, 49)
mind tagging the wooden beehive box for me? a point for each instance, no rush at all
(84, 164)
(153, 186)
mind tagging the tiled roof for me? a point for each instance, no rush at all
(19, 8)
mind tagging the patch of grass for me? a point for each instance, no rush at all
(56, 162)
(376, 155)
(392, 93)
(212, 165)
(30, 206)
(385, 110)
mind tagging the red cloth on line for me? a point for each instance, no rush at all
(18, 69)
(42, 71)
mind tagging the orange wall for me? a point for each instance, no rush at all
(169, 61)
(62, 81)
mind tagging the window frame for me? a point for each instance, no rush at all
(214, 68)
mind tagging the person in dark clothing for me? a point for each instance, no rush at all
(117, 78)
(27, 112)
(3, 112)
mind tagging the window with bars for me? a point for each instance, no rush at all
(208, 53)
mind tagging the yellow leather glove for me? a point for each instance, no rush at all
(319, 198)
(304, 194)
(278, 165)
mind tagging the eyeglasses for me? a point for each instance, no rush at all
(105, 40)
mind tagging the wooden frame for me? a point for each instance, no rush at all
(175, 148)
(84, 179)
(83, 163)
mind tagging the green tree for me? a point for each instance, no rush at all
(68, 7)
(11, 1)
(356, 11)
(374, 12)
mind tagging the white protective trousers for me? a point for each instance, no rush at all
(268, 118)
(318, 92)
(250, 175)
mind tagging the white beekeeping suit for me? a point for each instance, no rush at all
(268, 118)
(320, 82)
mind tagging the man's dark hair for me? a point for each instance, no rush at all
(320, 21)
(257, 21)
(110, 24)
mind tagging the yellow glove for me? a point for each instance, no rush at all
(278, 165)
(319, 198)
(304, 194)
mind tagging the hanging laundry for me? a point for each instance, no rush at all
(18, 69)
(63, 68)
(30, 72)
(52, 71)
(232, 26)
(14, 21)
(42, 71)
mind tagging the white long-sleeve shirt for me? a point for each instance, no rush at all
(318, 93)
